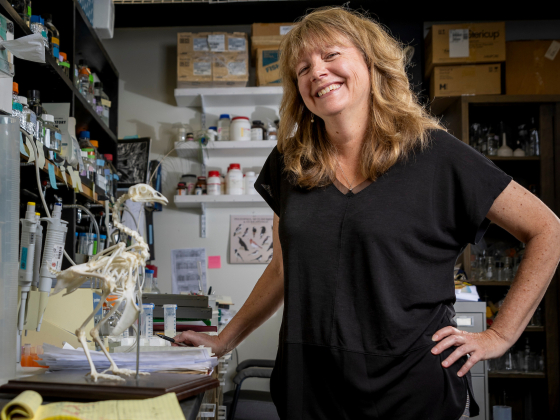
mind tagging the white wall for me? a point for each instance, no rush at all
(146, 61)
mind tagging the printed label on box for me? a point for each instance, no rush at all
(237, 68)
(237, 44)
(458, 43)
(285, 29)
(552, 50)
(217, 42)
(200, 44)
(202, 68)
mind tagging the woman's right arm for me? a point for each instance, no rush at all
(265, 299)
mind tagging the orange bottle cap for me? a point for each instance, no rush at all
(95, 143)
(64, 56)
(15, 87)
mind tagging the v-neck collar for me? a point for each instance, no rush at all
(344, 190)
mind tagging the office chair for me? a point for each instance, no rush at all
(247, 404)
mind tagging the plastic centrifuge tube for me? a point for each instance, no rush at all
(170, 319)
(147, 320)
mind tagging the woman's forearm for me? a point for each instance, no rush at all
(265, 299)
(535, 272)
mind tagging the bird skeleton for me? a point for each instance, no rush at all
(117, 269)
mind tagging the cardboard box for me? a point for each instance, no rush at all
(267, 35)
(481, 79)
(194, 69)
(212, 59)
(465, 43)
(533, 67)
(268, 67)
(230, 69)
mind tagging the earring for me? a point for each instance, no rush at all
(312, 120)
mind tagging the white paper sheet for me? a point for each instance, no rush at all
(184, 264)
(28, 47)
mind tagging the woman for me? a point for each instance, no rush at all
(373, 204)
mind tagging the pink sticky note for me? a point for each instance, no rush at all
(215, 262)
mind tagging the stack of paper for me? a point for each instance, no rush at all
(195, 358)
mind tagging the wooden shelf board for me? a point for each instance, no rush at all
(534, 329)
(517, 375)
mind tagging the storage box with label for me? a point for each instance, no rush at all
(230, 69)
(481, 79)
(212, 59)
(268, 67)
(465, 43)
(267, 35)
(194, 69)
(533, 67)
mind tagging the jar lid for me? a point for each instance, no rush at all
(149, 271)
(240, 118)
(15, 87)
(83, 134)
(250, 173)
(224, 116)
(214, 173)
(258, 122)
(213, 128)
(190, 175)
(108, 156)
(181, 184)
(202, 178)
(48, 117)
(22, 100)
(94, 143)
(235, 166)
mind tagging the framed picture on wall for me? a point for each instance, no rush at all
(250, 239)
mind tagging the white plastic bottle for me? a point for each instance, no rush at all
(223, 127)
(214, 183)
(235, 180)
(250, 179)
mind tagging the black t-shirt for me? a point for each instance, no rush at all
(368, 280)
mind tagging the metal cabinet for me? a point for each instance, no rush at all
(471, 317)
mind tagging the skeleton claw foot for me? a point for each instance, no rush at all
(125, 372)
(95, 376)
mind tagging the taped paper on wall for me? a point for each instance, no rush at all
(185, 270)
(250, 239)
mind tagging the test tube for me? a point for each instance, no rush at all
(170, 319)
(147, 320)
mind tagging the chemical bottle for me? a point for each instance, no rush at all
(97, 95)
(53, 36)
(15, 92)
(534, 143)
(64, 64)
(83, 139)
(28, 116)
(34, 103)
(84, 85)
(214, 182)
(103, 102)
(36, 25)
(250, 179)
(223, 127)
(235, 180)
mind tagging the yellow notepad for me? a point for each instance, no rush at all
(27, 406)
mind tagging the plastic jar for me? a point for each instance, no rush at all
(212, 133)
(240, 129)
(250, 179)
(181, 188)
(223, 127)
(148, 280)
(235, 180)
(272, 132)
(214, 184)
(258, 132)
(200, 188)
(190, 182)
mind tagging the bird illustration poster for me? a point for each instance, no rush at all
(250, 239)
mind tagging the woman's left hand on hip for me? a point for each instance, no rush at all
(480, 346)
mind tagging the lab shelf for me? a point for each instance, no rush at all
(218, 201)
(190, 149)
(231, 96)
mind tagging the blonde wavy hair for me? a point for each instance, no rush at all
(397, 123)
